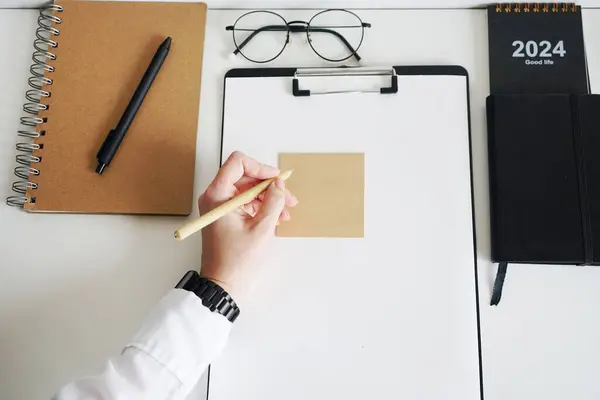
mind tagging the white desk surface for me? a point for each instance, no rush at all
(74, 288)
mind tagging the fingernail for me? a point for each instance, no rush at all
(279, 184)
(286, 215)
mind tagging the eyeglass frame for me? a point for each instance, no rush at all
(289, 28)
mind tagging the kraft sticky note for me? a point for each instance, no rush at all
(330, 188)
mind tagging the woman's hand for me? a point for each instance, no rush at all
(234, 246)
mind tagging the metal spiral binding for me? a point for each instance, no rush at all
(536, 7)
(39, 83)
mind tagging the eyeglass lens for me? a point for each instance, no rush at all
(335, 34)
(260, 35)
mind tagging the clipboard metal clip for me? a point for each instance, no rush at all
(344, 72)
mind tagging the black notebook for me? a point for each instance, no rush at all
(536, 49)
(544, 174)
(587, 128)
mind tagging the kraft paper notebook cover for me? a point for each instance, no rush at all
(103, 50)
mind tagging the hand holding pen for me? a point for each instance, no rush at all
(233, 246)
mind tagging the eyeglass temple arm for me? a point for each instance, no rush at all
(268, 28)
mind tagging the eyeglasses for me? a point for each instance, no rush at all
(335, 35)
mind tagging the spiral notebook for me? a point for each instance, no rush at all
(88, 59)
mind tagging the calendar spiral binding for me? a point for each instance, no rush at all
(38, 81)
(516, 8)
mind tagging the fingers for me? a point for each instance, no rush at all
(238, 174)
(285, 216)
(237, 166)
(272, 206)
(252, 208)
(246, 183)
(290, 199)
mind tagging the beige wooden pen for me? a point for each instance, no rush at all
(244, 198)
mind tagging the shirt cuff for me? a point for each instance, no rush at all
(183, 335)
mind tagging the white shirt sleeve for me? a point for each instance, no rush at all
(165, 359)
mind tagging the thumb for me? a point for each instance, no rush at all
(272, 205)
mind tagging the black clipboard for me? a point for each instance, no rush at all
(297, 90)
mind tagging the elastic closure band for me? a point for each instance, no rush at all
(586, 222)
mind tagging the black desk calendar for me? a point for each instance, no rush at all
(543, 139)
(536, 49)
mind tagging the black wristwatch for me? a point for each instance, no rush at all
(212, 295)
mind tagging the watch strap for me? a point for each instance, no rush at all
(213, 296)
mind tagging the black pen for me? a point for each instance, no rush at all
(115, 136)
